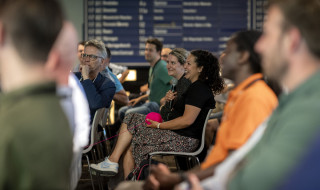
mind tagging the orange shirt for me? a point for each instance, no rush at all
(248, 105)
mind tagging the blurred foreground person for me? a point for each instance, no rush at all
(290, 54)
(35, 138)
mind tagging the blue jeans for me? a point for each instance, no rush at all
(142, 109)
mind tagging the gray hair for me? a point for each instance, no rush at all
(181, 54)
(99, 45)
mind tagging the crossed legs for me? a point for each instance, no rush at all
(110, 165)
(123, 148)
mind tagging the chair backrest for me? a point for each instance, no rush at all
(196, 152)
(105, 117)
(203, 134)
(98, 116)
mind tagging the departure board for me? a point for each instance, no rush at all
(125, 25)
(258, 13)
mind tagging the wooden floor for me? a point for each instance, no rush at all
(111, 182)
(85, 180)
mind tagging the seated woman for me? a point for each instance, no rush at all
(182, 132)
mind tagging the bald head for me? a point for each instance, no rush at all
(66, 44)
(65, 48)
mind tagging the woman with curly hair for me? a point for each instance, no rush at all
(181, 133)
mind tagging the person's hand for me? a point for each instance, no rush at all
(193, 183)
(84, 71)
(153, 124)
(144, 88)
(151, 183)
(160, 178)
(133, 102)
(170, 96)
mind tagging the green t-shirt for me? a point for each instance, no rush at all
(35, 140)
(290, 130)
(159, 81)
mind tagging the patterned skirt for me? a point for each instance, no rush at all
(146, 140)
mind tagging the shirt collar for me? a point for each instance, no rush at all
(247, 81)
(13, 97)
(244, 84)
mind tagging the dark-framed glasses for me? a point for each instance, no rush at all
(91, 57)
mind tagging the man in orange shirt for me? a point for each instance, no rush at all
(248, 105)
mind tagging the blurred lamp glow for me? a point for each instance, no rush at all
(132, 76)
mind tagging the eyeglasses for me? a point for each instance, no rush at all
(91, 57)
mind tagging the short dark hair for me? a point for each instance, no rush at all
(245, 41)
(210, 73)
(82, 43)
(108, 52)
(155, 42)
(3, 4)
(32, 26)
(305, 15)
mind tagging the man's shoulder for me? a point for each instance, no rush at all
(107, 73)
(161, 64)
(40, 118)
(259, 89)
(77, 74)
(106, 81)
(112, 75)
(162, 71)
(116, 81)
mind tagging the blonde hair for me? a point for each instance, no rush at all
(181, 54)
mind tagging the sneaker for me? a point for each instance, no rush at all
(107, 167)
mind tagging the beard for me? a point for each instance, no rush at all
(276, 66)
(276, 70)
(148, 59)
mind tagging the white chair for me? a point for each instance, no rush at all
(189, 155)
(94, 138)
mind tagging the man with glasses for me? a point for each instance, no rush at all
(99, 89)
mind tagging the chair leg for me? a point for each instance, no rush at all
(107, 142)
(150, 161)
(197, 160)
(94, 156)
(90, 171)
(100, 151)
(189, 165)
(99, 181)
(177, 163)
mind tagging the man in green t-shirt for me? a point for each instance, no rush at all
(159, 82)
